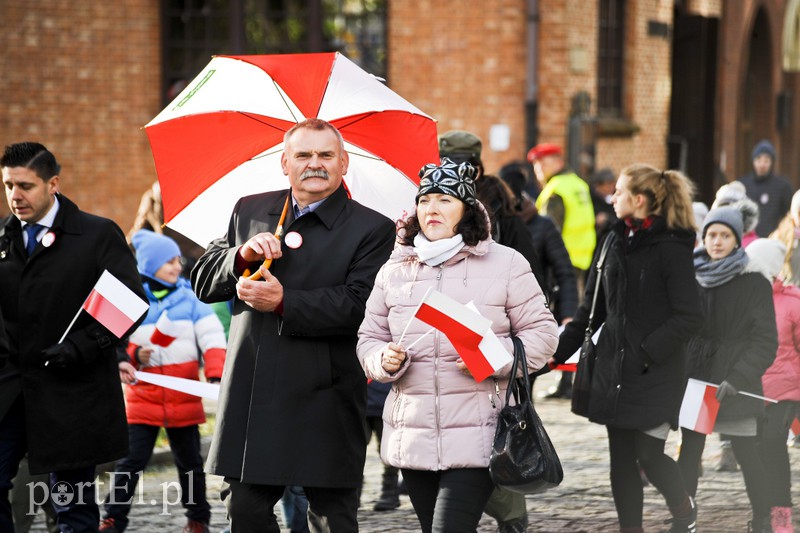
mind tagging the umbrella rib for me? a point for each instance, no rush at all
(360, 118)
(288, 107)
(365, 156)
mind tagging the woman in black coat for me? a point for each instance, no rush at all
(734, 348)
(649, 303)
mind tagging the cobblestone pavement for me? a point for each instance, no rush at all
(581, 504)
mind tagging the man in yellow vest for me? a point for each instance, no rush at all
(567, 201)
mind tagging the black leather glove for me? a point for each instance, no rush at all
(726, 390)
(541, 372)
(61, 355)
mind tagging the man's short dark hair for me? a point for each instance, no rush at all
(33, 156)
(473, 226)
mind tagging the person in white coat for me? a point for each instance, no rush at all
(439, 422)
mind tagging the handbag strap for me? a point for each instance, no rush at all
(520, 387)
(599, 266)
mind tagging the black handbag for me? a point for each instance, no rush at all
(582, 383)
(523, 458)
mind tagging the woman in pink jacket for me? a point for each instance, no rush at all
(781, 381)
(439, 422)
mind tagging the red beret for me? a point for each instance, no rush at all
(543, 149)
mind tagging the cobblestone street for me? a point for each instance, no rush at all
(581, 504)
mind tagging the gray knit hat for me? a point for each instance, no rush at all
(730, 216)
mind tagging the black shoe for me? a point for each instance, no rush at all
(519, 525)
(390, 492)
(560, 393)
(763, 525)
(684, 525)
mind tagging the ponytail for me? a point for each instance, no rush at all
(669, 194)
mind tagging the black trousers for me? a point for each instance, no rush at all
(251, 508)
(448, 500)
(745, 449)
(629, 449)
(774, 452)
(72, 491)
(184, 443)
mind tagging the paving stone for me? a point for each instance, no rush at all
(581, 504)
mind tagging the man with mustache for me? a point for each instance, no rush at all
(293, 398)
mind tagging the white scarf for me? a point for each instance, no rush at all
(435, 253)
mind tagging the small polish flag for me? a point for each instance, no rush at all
(699, 407)
(166, 331)
(114, 305)
(469, 332)
(571, 364)
(794, 429)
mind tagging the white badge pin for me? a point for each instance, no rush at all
(293, 240)
(48, 239)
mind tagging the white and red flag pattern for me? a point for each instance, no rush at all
(470, 333)
(114, 305)
(699, 407)
(165, 331)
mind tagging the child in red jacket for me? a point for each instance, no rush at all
(177, 330)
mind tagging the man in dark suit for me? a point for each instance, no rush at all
(59, 401)
(293, 398)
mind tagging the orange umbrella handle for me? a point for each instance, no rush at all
(278, 234)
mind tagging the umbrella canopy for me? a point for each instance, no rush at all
(222, 137)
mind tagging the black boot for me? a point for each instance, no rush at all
(390, 494)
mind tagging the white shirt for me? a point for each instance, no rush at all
(46, 222)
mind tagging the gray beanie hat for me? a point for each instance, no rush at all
(730, 216)
(766, 257)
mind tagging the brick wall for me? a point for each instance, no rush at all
(647, 91)
(463, 63)
(82, 78)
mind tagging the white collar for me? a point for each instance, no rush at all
(47, 220)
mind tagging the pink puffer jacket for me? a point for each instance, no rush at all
(436, 417)
(781, 381)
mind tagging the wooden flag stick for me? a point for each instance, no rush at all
(278, 234)
(420, 338)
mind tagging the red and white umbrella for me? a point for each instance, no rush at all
(222, 137)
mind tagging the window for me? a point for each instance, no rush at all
(610, 58)
(194, 30)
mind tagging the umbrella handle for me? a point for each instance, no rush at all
(255, 276)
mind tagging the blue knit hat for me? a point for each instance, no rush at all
(153, 250)
(764, 147)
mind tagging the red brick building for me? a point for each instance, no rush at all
(691, 83)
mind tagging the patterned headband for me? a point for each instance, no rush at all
(453, 179)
